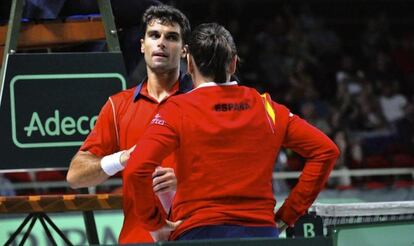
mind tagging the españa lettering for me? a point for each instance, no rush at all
(225, 107)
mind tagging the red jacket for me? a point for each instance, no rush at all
(227, 139)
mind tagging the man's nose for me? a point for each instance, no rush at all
(161, 41)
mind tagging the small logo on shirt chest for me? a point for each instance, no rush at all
(158, 120)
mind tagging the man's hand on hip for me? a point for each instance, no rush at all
(164, 232)
(164, 180)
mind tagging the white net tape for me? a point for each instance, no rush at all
(353, 213)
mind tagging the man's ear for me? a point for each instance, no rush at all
(233, 65)
(190, 64)
(142, 45)
(184, 51)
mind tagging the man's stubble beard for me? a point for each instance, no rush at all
(163, 69)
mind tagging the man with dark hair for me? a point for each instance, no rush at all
(126, 114)
(227, 138)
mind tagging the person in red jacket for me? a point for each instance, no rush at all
(227, 138)
(125, 116)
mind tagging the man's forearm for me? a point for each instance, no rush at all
(85, 170)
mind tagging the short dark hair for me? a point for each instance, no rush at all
(167, 15)
(212, 47)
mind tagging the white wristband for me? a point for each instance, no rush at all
(111, 164)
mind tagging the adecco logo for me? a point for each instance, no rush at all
(38, 126)
(55, 125)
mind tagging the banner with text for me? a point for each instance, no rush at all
(50, 103)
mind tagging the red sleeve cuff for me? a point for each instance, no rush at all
(287, 215)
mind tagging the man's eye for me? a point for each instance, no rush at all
(154, 35)
(172, 38)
